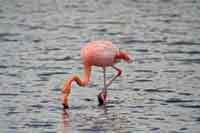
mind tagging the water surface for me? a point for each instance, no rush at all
(40, 42)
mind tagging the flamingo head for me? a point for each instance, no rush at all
(64, 99)
(102, 97)
(123, 55)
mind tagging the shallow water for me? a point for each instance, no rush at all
(39, 47)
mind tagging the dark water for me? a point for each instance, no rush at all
(39, 47)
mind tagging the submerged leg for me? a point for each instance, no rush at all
(103, 94)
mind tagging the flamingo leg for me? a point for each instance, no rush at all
(119, 72)
(104, 80)
(103, 95)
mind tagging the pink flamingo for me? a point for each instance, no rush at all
(96, 53)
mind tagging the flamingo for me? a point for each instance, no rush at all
(99, 53)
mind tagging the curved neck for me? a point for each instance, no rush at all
(80, 82)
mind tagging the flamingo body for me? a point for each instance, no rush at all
(99, 53)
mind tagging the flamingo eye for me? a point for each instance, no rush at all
(117, 60)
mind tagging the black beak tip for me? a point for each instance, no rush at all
(65, 106)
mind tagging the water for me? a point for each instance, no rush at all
(40, 42)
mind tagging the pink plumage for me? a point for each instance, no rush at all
(99, 53)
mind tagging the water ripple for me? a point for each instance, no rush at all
(39, 124)
(190, 106)
(47, 74)
(40, 43)
(9, 94)
(183, 43)
(159, 90)
(178, 100)
(55, 59)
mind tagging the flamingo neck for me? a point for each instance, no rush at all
(80, 82)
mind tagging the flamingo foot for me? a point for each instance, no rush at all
(102, 97)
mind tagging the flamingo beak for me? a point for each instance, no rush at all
(64, 99)
(129, 61)
(65, 103)
(65, 106)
